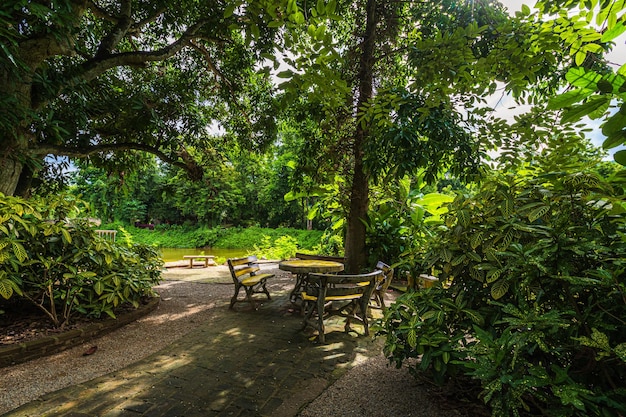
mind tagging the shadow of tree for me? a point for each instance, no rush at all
(239, 362)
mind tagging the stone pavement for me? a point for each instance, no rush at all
(244, 363)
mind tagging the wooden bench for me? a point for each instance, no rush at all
(244, 272)
(351, 293)
(205, 258)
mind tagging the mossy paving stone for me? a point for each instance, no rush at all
(242, 363)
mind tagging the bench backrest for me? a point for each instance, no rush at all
(243, 266)
(387, 276)
(308, 256)
(330, 285)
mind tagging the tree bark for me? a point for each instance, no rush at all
(10, 171)
(356, 256)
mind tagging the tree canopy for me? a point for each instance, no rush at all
(104, 79)
(376, 90)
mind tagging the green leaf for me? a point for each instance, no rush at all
(614, 124)
(620, 157)
(458, 260)
(228, 12)
(98, 287)
(6, 288)
(299, 18)
(614, 140)
(19, 251)
(331, 7)
(493, 275)
(579, 77)
(578, 112)
(285, 74)
(475, 257)
(434, 200)
(620, 351)
(538, 213)
(568, 99)
(476, 240)
(321, 7)
(464, 218)
(476, 317)
(605, 86)
(499, 289)
(66, 236)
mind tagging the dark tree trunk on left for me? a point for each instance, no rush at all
(356, 256)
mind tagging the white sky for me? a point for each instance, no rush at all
(617, 57)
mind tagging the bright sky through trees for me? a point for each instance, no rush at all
(617, 58)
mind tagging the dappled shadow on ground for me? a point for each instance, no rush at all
(236, 362)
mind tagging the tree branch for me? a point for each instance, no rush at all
(188, 164)
(35, 50)
(120, 30)
(137, 26)
(95, 67)
(100, 12)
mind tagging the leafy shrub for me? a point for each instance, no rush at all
(535, 307)
(284, 247)
(54, 260)
(230, 238)
(330, 244)
(240, 238)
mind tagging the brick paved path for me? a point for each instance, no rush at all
(244, 363)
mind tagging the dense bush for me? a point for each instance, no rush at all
(218, 237)
(533, 306)
(55, 261)
(244, 238)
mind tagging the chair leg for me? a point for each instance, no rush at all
(363, 307)
(249, 292)
(233, 300)
(320, 321)
(266, 291)
(308, 308)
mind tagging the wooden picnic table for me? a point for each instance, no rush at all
(303, 267)
(205, 258)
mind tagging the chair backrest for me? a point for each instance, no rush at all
(308, 256)
(242, 266)
(387, 276)
(329, 285)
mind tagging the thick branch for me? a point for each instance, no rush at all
(35, 50)
(188, 164)
(118, 32)
(97, 66)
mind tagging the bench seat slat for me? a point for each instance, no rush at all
(246, 270)
(349, 297)
(254, 279)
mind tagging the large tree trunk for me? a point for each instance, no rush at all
(10, 171)
(356, 257)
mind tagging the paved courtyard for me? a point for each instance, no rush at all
(242, 363)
